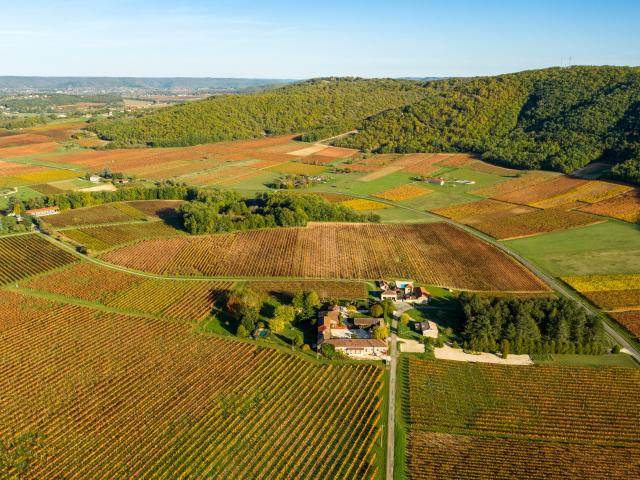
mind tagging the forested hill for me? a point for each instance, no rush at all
(560, 119)
(320, 108)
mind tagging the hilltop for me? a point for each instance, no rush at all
(556, 119)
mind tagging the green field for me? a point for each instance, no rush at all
(606, 248)
(619, 360)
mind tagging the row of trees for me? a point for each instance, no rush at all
(532, 325)
(224, 211)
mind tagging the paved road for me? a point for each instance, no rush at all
(391, 420)
(549, 280)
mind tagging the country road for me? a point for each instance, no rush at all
(391, 416)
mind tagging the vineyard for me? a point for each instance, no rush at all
(508, 225)
(436, 254)
(360, 204)
(609, 292)
(285, 291)
(181, 300)
(443, 456)
(24, 255)
(494, 421)
(625, 207)
(114, 396)
(629, 320)
(405, 192)
(106, 213)
(106, 237)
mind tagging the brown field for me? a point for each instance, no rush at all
(404, 192)
(590, 192)
(106, 237)
(338, 152)
(480, 457)
(118, 396)
(503, 226)
(615, 299)
(457, 160)
(58, 131)
(189, 301)
(23, 139)
(87, 216)
(379, 173)
(437, 254)
(623, 207)
(31, 149)
(527, 179)
(481, 207)
(480, 166)
(24, 255)
(484, 421)
(423, 164)
(629, 320)
(297, 168)
(285, 290)
(542, 191)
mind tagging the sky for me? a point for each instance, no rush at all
(304, 39)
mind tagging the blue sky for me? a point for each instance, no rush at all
(302, 39)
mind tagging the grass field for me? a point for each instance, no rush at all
(606, 248)
(179, 404)
(478, 421)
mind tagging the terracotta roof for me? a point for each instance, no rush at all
(367, 321)
(356, 342)
(43, 209)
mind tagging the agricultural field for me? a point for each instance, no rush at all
(506, 225)
(436, 254)
(296, 168)
(105, 237)
(361, 204)
(183, 300)
(285, 290)
(24, 255)
(491, 421)
(542, 191)
(106, 213)
(610, 292)
(196, 406)
(606, 248)
(405, 192)
(629, 320)
(625, 207)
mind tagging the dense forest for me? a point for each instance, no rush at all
(225, 211)
(559, 119)
(534, 325)
(320, 108)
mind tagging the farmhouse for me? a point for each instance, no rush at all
(333, 331)
(43, 212)
(359, 347)
(427, 329)
(389, 295)
(404, 291)
(368, 322)
(94, 179)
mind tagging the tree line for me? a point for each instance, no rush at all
(533, 325)
(318, 108)
(215, 211)
(557, 119)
